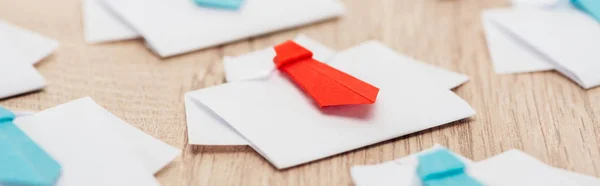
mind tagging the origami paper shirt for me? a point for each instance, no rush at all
(275, 117)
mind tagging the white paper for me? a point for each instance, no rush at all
(277, 118)
(400, 172)
(535, 3)
(94, 147)
(180, 26)
(259, 64)
(402, 68)
(515, 168)
(101, 25)
(19, 78)
(566, 38)
(508, 54)
(18, 45)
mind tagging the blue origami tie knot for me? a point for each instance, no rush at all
(6, 116)
(221, 4)
(442, 168)
(591, 7)
(22, 161)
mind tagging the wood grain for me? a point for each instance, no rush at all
(543, 114)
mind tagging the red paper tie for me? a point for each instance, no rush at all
(326, 85)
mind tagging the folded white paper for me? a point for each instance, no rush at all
(401, 67)
(564, 38)
(180, 26)
(19, 78)
(400, 172)
(20, 49)
(512, 168)
(508, 54)
(95, 147)
(100, 25)
(18, 45)
(280, 122)
(515, 168)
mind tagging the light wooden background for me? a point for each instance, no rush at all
(544, 114)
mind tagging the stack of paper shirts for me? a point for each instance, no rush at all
(20, 49)
(543, 35)
(91, 147)
(180, 26)
(511, 168)
(261, 107)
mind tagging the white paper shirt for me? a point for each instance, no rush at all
(180, 26)
(94, 147)
(564, 38)
(277, 118)
(205, 128)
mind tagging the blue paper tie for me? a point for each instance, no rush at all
(591, 7)
(22, 161)
(221, 4)
(442, 168)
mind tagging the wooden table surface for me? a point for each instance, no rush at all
(543, 114)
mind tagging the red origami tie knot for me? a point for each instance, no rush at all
(325, 84)
(290, 52)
